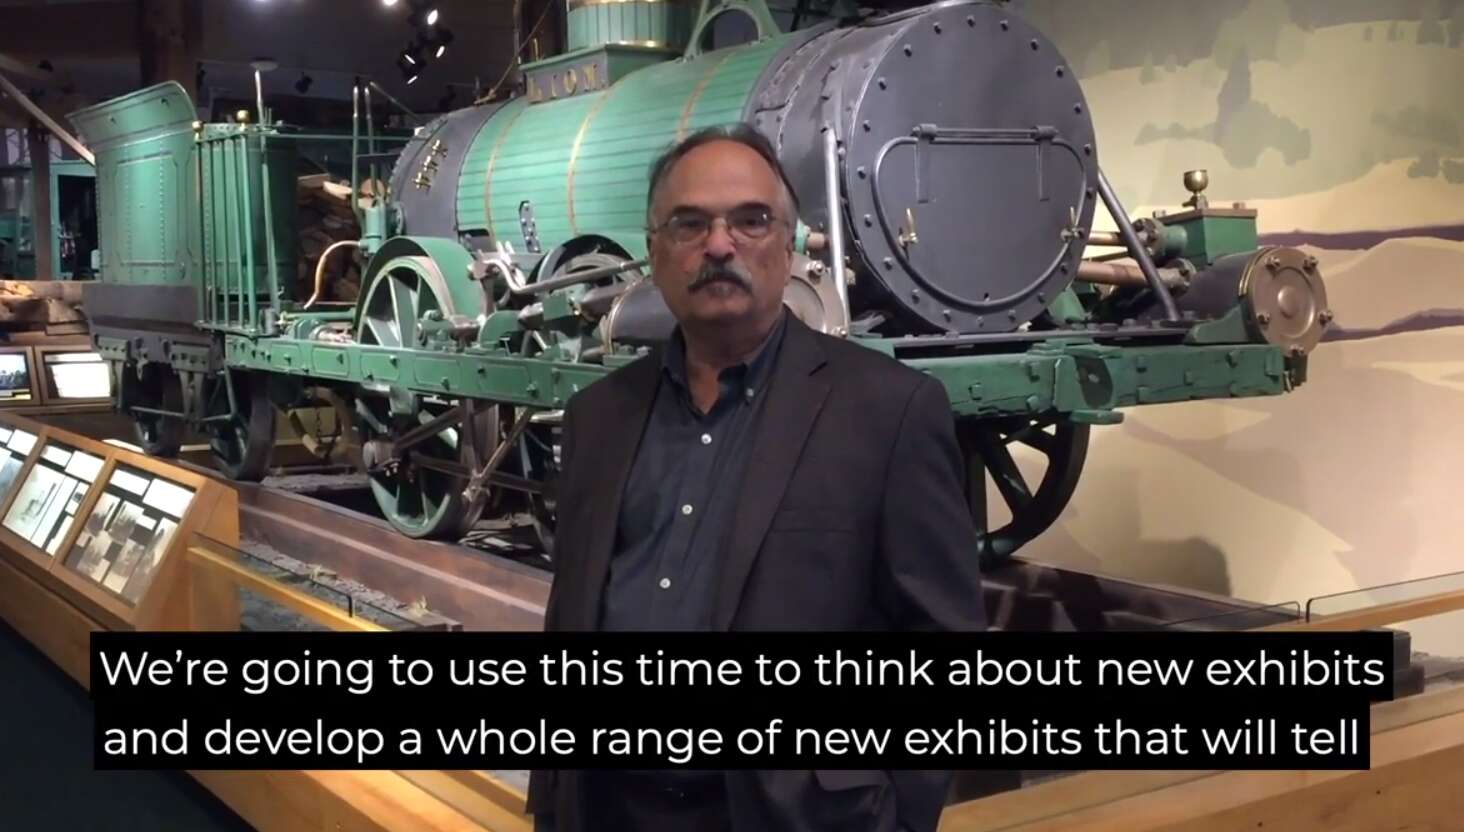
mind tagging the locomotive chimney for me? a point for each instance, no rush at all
(657, 24)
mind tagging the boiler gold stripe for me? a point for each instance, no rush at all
(574, 155)
(696, 94)
(492, 160)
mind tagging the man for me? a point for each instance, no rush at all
(754, 475)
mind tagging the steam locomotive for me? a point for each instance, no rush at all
(945, 159)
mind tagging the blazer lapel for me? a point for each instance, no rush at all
(616, 440)
(794, 398)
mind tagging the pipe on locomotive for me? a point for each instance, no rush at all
(836, 225)
(545, 286)
(1136, 248)
(320, 269)
(1120, 274)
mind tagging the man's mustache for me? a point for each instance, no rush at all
(712, 272)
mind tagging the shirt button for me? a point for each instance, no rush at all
(706, 439)
(686, 509)
(665, 583)
(748, 392)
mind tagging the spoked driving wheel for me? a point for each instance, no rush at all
(539, 447)
(420, 489)
(240, 422)
(418, 485)
(539, 456)
(1006, 456)
(158, 388)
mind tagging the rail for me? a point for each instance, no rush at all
(204, 557)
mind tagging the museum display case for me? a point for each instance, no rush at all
(72, 374)
(100, 528)
(48, 374)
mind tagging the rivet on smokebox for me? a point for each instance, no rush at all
(1324, 317)
(1310, 263)
(1263, 318)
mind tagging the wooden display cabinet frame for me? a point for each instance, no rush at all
(171, 601)
(34, 401)
(58, 402)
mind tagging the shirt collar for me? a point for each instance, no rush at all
(755, 370)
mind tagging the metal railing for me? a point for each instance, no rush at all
(230, 167)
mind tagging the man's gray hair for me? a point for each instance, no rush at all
(740, 132)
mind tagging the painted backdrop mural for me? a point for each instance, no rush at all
(1342, 121)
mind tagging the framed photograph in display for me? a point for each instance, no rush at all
(128, 530)
(72, 374)
(17, 381)
(16, 444)
(49, 498)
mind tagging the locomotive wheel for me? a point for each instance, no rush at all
(396, 301)
(986, 445)
(418, 500)
(539, 456)
(241, 443)
(159, 388)
(540, 446)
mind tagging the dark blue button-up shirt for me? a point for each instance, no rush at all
(677, 509)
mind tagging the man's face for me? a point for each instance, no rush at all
(725, 278)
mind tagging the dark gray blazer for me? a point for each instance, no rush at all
(851, 517)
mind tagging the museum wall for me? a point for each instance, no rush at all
(1342, 121)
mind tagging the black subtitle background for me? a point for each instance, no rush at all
(580, 708)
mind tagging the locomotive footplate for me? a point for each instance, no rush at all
(1076, 376)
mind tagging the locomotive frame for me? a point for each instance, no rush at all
(472, 332)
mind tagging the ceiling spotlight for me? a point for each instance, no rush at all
(412, 55)
(388, 3)
(423, 15)
(442, 41)
(408, 70)
(303, 85)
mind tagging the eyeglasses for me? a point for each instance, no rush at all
(745, 223)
